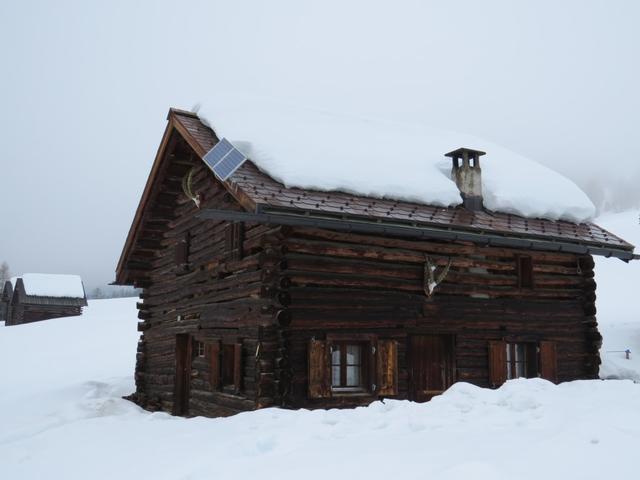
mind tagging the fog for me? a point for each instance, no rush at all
(86, 86)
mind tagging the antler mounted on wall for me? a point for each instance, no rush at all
(187, 187)
(431, 279)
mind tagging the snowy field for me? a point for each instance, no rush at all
(61, 415)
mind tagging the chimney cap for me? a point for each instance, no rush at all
(460, 152)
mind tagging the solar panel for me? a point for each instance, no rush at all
(217, 153)
(224, 159)
(229, 164)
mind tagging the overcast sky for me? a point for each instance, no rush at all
(85, 88)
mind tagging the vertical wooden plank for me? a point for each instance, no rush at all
(182, 250)
(497, 363)
(182, 374)
(387, 367)
(214, 365)
(549, 361)
(319, 370)
(228, 239)
(237, 366)
(238, 240)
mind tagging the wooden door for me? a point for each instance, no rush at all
(431, 365)
(183, 375)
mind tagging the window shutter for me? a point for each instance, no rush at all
(387, 367)
(497, 363)
(525, 271)
(548, 361)
(182, 250)
(214, 365)
(234, 240)
(237, 366)
(319, 372)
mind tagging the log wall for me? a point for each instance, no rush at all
(21, 313)
(216, 297)
(340, 282)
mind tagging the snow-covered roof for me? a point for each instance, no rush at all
(328, 152)
(51, 285)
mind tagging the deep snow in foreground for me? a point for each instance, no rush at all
(61, 417)
(326, 151)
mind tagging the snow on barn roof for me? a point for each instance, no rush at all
(51, 285)
(375, 158)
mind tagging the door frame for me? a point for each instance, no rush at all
(182, 384)
(450, 344)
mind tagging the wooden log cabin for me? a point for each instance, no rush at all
(35, 297)
(257, 295)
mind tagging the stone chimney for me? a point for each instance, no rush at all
(467, 173)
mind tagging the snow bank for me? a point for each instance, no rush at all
(52, 285)
(325, 151)
(61, 416)
(617, 301)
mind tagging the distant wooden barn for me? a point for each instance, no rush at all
(257, 295)
(5, 301)
(34, 297)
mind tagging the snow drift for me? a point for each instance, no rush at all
(325, 151)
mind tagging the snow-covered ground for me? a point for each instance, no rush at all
(62, 416)
(618, 301)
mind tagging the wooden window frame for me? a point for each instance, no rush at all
(524, 267)
(364, 385)
(199, 349)
(379, 370)
(231, 366)
(541, 360)
(529, 361)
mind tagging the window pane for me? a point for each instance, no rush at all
(335, 376)
(353, 376)
(509, 375)
(335, 355)
(353, 354)
(519, 352)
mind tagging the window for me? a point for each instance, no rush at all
(515, 359)
(524, 265)
(352, 365)
(347, 367)
(199, 349)
(521, 360)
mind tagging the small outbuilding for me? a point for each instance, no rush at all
(5, 301)
(37, 296)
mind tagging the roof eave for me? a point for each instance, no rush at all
(309, 219)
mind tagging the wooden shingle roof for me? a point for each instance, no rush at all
(262, 191)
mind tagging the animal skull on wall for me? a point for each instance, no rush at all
(431, 279)
(187, 187)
